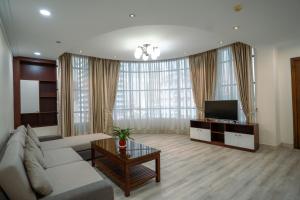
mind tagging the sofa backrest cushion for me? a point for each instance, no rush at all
(13, 178)
(36, 174)
(33, 135)
(18, 136)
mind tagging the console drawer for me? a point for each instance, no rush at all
(200, 134)
(239, 140)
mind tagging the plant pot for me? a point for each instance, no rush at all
(122, 144)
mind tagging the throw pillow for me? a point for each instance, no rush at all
(31, 146)
(36, 174)
(33, 135)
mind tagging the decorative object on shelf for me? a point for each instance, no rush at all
(123, 135)
(147, 50)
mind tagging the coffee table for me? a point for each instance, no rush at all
(124, 166)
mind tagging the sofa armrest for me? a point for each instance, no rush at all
(49, 137)
(93, 191)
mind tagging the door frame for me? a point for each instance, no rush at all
(294, 103)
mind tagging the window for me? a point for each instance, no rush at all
(81, 94)
(154, 96)
(226, 85)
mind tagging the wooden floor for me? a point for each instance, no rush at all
(193, 170)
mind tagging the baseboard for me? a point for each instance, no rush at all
(285, 145)
(290, 146)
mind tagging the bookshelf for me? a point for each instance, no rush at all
(43, 71)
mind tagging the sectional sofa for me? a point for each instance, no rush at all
(70, 176)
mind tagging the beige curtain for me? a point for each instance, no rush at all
(242, 62)
(65, 95)
(104, 75)
(203, 76)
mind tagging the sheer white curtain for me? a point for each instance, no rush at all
(226, 86)
(154, 96)
(81, 94)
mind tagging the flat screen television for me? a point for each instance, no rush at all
(227, 109)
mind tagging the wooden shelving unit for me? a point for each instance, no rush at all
(43, 71)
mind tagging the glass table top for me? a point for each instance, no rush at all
(133, 150)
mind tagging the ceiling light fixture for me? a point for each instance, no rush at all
(45, 12)
(220, 42)
(37, 53)
(80, 51)
(236, 27)
(131, 15)
(146, 51)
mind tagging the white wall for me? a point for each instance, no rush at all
(6, 89)
(266, 78)
(285, 53)
(274, 96)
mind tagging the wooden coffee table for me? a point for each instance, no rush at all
(124, 166)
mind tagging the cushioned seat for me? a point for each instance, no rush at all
(56, 157)
(71, 176)
(78, 143)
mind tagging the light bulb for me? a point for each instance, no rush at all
(153, 56)
(156, 51)
(138, 53)
(145, 57)
(149, 49)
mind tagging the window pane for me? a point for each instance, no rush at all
(157, 95)
(81, 108)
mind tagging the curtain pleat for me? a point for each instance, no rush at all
(104, 76)
(242, 62)
(203, 76)
(65, 102)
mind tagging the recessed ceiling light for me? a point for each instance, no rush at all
(37, 53)
(115, 56)
(132, 15)
(80, 51)
(220, 42)
(45, 12)
(236, 27)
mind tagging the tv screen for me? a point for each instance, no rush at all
(222, 109)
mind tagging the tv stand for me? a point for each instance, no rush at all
(232, 134)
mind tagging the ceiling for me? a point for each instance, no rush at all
(103, 28)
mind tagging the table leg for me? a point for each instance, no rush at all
(126, 174)
(157, 168)
(93, 156)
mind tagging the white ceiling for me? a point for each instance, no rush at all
(102, 28)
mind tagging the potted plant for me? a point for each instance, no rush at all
(123, 135)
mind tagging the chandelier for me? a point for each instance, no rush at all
(145, 51)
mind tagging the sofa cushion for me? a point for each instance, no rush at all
(18, 136)
(78, 143)
(13, 178)
(56, 157)
(33, 135)
(67, 177)
(31, 146)
(22, 128)
(36, 174)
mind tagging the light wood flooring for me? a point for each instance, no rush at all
(194, 170)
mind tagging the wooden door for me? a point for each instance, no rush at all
(295, 69)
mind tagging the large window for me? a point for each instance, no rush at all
(226, 84)
(81, 94)
(154, 96)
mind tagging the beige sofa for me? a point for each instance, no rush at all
(69, 175)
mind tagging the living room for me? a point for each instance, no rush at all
(149, 99)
